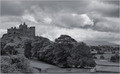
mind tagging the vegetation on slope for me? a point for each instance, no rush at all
(15, 64)
(64, 52)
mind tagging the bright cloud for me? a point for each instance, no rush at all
(47, 20)
(79, 34)
(29, 18)
(70, 20)
(83, 20)
(87, 20)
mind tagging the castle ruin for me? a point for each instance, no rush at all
(23, 30)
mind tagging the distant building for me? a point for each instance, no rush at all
(23, 30)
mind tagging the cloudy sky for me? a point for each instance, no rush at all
(95, 20)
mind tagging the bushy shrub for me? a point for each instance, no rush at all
(2, 44)
(47, 54)
(115, 58)
(64, 52)
(54, 54)
(74, 62)
(21, 63)
(7, 68)
(95, 57)
(60, 55)
(15, 64)
(102, 57)
(39, 44)
(90, 62)
(9, 49)
(80, 56)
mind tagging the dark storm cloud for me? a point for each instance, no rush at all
(115, 2)
(53, 18)
(105, 24)
(110, 12)
(114, 10)
(57, 6)
(77, 6)
(104, 8)
(11, 8)
(18, 7)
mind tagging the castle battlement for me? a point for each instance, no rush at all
(23, 30)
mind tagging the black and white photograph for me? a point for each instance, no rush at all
(59, 36)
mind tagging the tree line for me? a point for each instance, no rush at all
(64, 52)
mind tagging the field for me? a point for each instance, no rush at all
(106, 66)
(107, 56)
(103, 66)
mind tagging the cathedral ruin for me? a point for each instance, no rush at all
(23, 30)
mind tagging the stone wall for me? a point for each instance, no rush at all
(22, 30)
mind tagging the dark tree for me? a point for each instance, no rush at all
(61, 55)
(9, 50)
(102, 57)
(27, 50)
(115, 58)
(64, 52)
(39, 44)
(80, 55)
(2, 44)
(48, 54)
